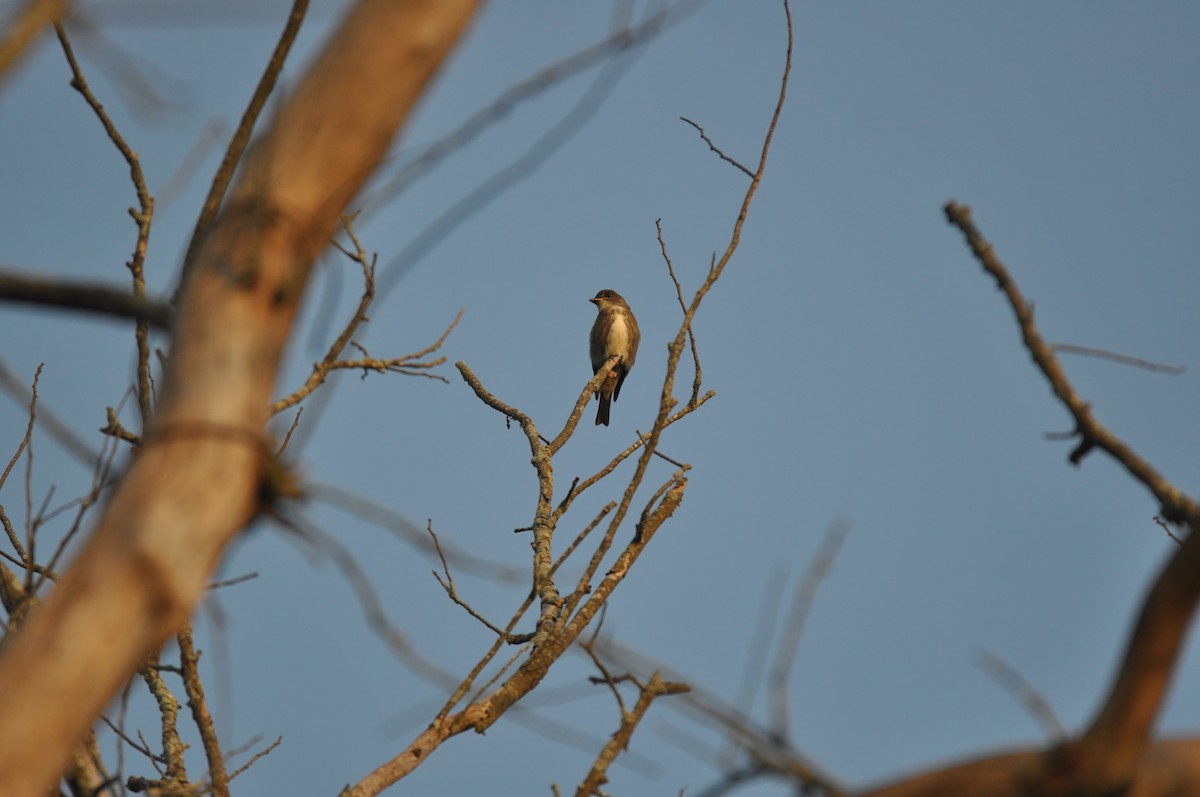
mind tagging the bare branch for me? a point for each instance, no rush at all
(409, 364)
(622, 43)
(92, 297)
(254, 759)
(717, 149)
(767, 751)
(698, 378)
(451, 590)
(597, 777)
(793, 628)
(141, 216)
(58, 431)
(1016, 685)
(195, 482)
(21, 31)
(1124, 359)
(1106, 757)
(189, 662)
(1176, 506)
(241, 136)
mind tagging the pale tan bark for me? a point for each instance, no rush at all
(22, 30)
(196, 481)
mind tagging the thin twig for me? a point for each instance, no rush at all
(699, 376)
(230, 582)
(656, 688)
(409, 364)
(58, 431)
(715, 148)
(368, 598)
(793, 627)
(189, 661)
(1124, 359)
(142, 217)
(451, 590)
(287, 438)
(241, 136)
(255, 758)
(1022, 691)
(168, 709)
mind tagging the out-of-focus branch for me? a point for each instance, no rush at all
(619, 41)
(92, 297)
(1123, 359)
(25, 27)
(196, 480)
(49, 422)
(241, 136)
(1011, 680)
(1164, 769)
(780, 671)
(1107, 757)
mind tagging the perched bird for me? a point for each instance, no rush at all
(615, 332)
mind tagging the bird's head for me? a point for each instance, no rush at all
(606, 298)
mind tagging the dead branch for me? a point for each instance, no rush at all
(1176, 506)
(481, 713)
(598, 776)
(714, 148)
(194, 483)
(408, 364)
(1123, 359)
(21, 31)
(92, 297)
(189, 665)
(241, 136)
(1107, 757)
(142, 217)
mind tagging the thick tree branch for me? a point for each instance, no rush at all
(24, 27)
(195, 482)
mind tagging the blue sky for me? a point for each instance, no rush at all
(866, 369)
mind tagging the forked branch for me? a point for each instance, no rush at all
(1107, 757)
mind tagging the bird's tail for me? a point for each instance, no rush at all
(602, 409)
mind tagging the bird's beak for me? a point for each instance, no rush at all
(595, 302)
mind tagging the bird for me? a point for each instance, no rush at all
(615, 332)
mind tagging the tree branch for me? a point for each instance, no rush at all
(195, 481)
(1105, 759)
(92, 297)
(1176, 506)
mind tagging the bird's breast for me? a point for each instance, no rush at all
(618, 333)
